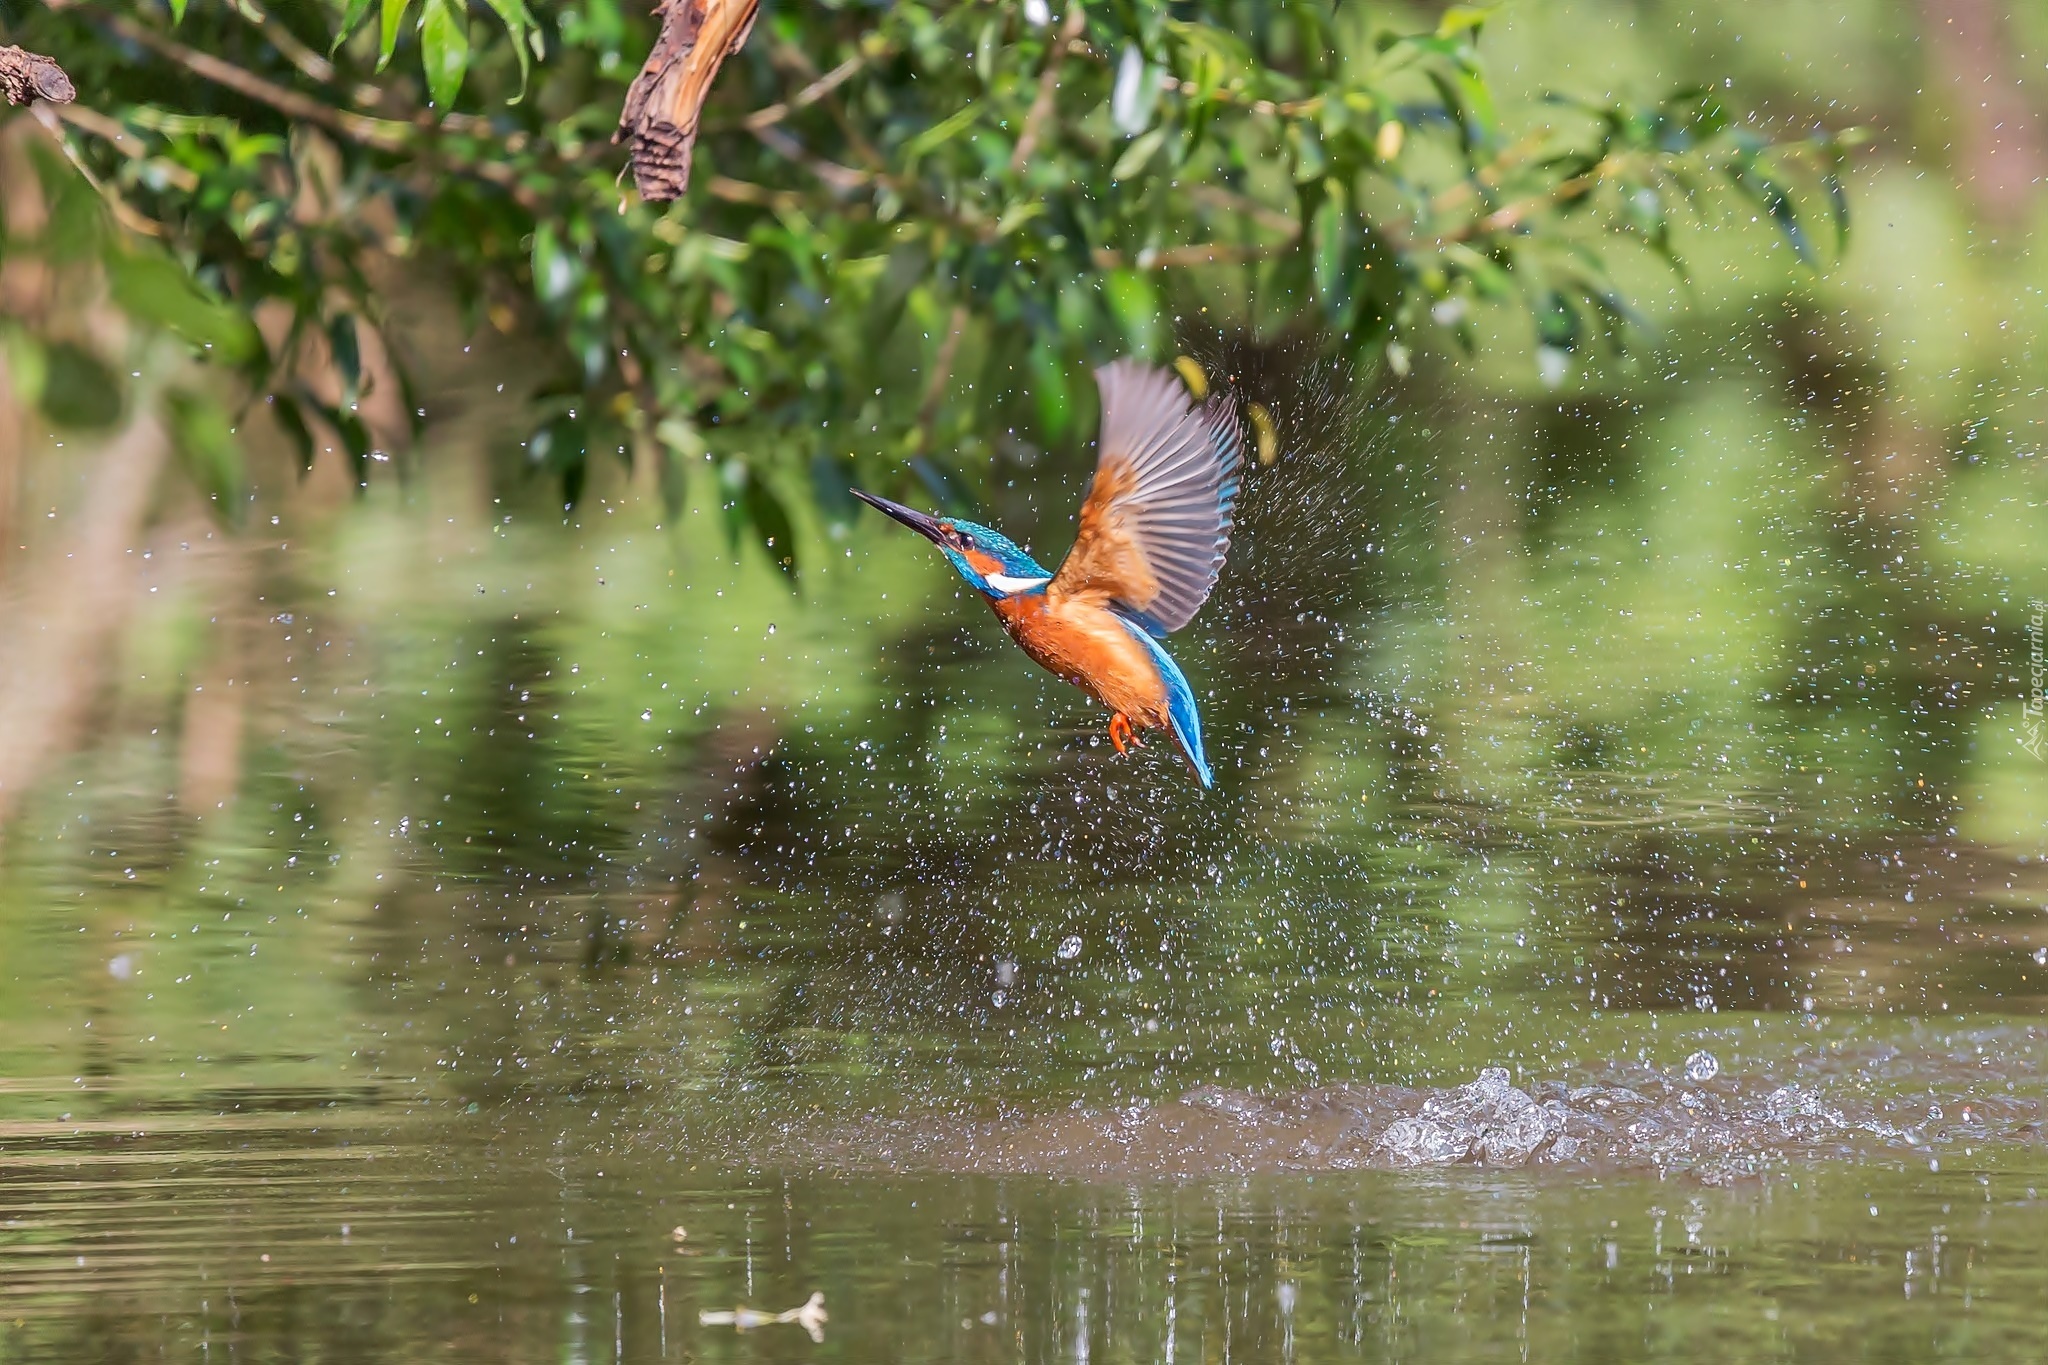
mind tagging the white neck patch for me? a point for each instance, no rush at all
(1006, 585)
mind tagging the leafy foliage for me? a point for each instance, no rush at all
(912, 225)
(58, 263)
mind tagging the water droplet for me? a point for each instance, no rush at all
(1070, 947)
(1702, 1066)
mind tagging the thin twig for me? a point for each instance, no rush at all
(942, 367)
(1512, 216)
(124, 213)
(1230, 201)
(1191, 254)
(1489, 177)
(383, 134)
(1281, 108)
(772, 114)
(123, 140)
(310, 63)
(844, 179)
(747, 192)
(380, 134)
(1048, 85)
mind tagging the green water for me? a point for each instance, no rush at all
(445, 904)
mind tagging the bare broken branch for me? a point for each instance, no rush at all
(659, 122)
(26, 76)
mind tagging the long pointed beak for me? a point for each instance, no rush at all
(928, 527)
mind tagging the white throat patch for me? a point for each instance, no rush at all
(1007, 585)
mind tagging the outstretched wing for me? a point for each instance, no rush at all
(1156, 523)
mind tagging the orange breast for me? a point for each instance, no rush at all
(1089, 647)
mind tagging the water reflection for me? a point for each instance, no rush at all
(447, 902)
(385, 1252)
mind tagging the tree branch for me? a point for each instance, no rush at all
(1191, 254)
(843, 179)
(1230, 202)
(381, 134)
(124, 213)
(26, 76)
(1048, 85)
(116, 135)
(942, 367)
(1281, 108)
(804, 98)
(659, 121)
(384, 134)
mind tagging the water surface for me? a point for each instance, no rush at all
(463, 933)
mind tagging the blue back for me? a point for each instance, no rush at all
(1016, 561)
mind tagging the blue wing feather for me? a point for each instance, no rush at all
(1180, 698)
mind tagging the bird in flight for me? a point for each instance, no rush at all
(1155, 527)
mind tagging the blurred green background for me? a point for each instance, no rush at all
(1564, 715)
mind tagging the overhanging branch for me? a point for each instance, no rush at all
(26, 76)
(659, 121)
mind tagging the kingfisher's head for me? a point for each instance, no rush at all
(996, 566)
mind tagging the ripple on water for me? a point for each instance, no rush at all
(1837, 1104)
(130, 1193)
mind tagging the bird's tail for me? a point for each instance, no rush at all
(1181, 711)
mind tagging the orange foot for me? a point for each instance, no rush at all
(1123, 734)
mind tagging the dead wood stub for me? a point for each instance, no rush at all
(659, 122)
(26, 76)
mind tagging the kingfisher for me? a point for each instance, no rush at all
(1155, 528)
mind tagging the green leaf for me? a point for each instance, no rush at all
(1049, 387)
(940, 133)
(832, 482)
(1773, 199)
(292, 419)
(986, 47)
(1307, 145)
(444, 50)
(1315, 36)
(76, 228)
(152, 288)
(908, 264)
(1333, 240)
(1135, 94)
(355, 439)
(527, 42)
(387, 37)
(1834, 157)
(177, 12)
(77, 388)
(1140, 151)
(27, 364)
(344, 342)
(351, 19)
(207, 447)
(1135, 302)
(1461, 19)
(940, 480)
(770, 520)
